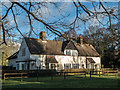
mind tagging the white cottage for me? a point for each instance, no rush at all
(50, 54)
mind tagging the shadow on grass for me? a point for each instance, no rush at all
(60, 82)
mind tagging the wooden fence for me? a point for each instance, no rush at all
(111, 72)
(14, 75)
(25, 73)
(78, 73)
(65, 74)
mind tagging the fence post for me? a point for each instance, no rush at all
(64, 76)
(21, 77)
(99, 73)
(4, 76)
(90, 74)
(85, 74)
(117, 74)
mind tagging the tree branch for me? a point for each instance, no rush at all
(47, 26)
(3, 28)
(16, 23)
(8, 10)
(106, 12)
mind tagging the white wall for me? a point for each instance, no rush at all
(23, 58)
(62, 59)
(27, 52)
(41, 58)
(66, 60)
(20, 65)
(78, 60)
(82, 61)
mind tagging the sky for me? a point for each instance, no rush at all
(52, 14)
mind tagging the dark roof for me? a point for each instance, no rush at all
(90, 60)
(51, 47)
(14, 56)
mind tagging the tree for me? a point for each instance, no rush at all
(33, 14)
(7, 50)
(107, 43)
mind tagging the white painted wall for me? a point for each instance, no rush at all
(20, 65)
(97, 60)
(27, 52)
(78, 60)
(41, 58)
(23, 58)
(82, 61)
(65, 60)
(62, 59)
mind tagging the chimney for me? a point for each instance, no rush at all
(43, 35)
(81, 40)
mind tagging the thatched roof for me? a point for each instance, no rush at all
(51, 47)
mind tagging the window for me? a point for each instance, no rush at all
(74, 53)
(75, 66)
(67, 66)
(68, 52)
(23, 52)
(53, 66)
(71, 52)
(17, 66)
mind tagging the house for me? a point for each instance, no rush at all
(12, 59)
(51, 54)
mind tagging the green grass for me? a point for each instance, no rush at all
(59, 82)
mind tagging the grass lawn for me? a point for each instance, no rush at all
(59, 82)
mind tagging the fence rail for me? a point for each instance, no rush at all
(115, 72)
(79, 73)
(33, 73)
(21, 75)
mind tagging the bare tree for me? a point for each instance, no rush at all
(32, 12)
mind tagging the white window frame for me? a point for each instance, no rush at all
(71, 52)
(67, 64)
(75, 66)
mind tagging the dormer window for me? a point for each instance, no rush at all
(68, 52)
(71, 52)
(74, 53)
(23, 52)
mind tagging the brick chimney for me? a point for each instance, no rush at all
(42, 35)
(81, 40)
